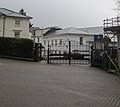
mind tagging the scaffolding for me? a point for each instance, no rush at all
(112, 29)
(110, 57)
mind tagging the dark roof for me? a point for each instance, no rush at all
(34, 28)
(10, 13)
(52, 29)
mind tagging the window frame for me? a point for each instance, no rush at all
(17, 23)
(44, 42)
(56, 42)
(17, 34)
(60, 41)
(48, 42)
(52, 42)
(81, 40)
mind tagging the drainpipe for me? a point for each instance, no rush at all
(4, 25)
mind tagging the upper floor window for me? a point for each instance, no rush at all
(55, 42)
(60, 41)
(17, 23)
(81, 40)
(17, 34)
(52, 42)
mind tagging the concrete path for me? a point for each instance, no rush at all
(32, 84)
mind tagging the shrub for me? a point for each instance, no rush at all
(17, 47)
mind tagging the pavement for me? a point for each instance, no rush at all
(36, 84)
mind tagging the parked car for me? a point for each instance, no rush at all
(75, 54)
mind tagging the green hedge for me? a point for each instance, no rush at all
(16, 47)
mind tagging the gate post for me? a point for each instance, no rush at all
(36, 54)
(48, 52)
(40, 51)
(91, 55)
(69, 52)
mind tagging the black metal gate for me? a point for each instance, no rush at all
(69, 52)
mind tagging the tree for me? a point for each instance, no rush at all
(30, 25)
(117, 6)
(22, 12)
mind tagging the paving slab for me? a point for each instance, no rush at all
(32, 84)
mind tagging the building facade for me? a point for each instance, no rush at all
(57, 37)
(67, 34)
(13, 24)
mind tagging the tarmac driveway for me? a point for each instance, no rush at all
(31, 84)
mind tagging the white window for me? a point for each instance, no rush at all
(55, 42)
(44, 42)
(17, 23)
(17, 34)
(48, 42)
(60, 52)
(52, 42)
(60, 41)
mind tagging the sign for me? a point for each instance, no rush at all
(98, 38)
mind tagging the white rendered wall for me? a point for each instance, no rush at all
(10, 27)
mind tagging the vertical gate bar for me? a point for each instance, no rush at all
(40, 52)
(91, 59)
(69, 52)
(48, 52)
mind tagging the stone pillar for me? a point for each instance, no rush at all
(118, 36)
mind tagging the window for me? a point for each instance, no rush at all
(17, 23)
(51, 42)
(55, 42)
(44, 42)
(38, 40)
(60, 52)
(17, 34)
(55, 51)
(48, 42)
(60, 41)
(81, 40)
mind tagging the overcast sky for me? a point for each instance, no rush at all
(64, 13)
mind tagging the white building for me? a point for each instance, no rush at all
(58, 38)
(54, 34)
(13, 24)
(53, 37)
(37, 33)
(43, 34)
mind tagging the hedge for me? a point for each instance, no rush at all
(16, 47)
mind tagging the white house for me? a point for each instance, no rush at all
(43, 34)
(73, 34)
(55, 36)
(13, 24)
(37, 33)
